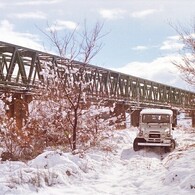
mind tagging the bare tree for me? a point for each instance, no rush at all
(66, 118)
(59, 113)
(68, 92)
(187, 65)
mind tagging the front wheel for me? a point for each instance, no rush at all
(172, 147)
(136, 147)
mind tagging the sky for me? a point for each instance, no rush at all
(139, 39)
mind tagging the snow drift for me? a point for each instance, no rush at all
(112, 168)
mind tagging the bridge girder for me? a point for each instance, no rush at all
(21, 71)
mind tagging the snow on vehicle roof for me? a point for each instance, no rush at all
(156, 111)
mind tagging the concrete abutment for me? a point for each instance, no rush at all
(16, 107)
(193, 118)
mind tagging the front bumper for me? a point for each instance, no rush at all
(154, 144)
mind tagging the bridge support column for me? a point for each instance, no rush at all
(135, 116)
(17, 108)
(175, 113)
(193, 118)
(119, 113)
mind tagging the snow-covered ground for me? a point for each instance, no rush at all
(112, 169)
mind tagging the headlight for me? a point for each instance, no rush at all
(140, 133)
(163, 135)
(145, 135)
(167, 131)
(168, 134)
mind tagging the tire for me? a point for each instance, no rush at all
(135, 145)
(172, 147)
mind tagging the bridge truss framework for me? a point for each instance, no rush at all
(21, 72)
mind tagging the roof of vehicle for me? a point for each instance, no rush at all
(156, 111)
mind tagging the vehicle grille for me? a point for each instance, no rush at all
(154, 135)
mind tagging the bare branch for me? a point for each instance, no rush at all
(187, 65)
(90, 45)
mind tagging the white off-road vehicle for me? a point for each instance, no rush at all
(155, 129)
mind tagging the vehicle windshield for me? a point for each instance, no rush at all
(156, 118)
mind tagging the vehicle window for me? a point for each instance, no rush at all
(155, 118)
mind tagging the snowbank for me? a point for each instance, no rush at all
(112, 168)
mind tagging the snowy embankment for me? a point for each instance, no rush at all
(112, 168)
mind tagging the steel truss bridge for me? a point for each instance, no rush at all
(21, 72)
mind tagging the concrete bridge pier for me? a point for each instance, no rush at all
(175, 113)
(135, 116)
(17, 108)
(119, 114)
(193, 118)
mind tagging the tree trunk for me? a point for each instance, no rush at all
(74, 137)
